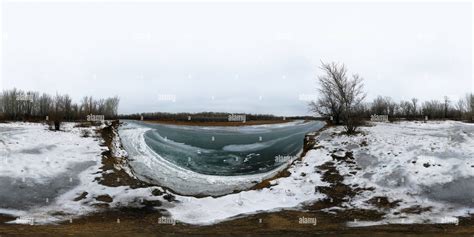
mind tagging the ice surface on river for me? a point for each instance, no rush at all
(228, 151)
(151, 166)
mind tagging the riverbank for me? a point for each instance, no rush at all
(143, 222)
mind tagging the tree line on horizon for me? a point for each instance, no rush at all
(462, 109)
(17, 104)
(203, 116)
(342, 98)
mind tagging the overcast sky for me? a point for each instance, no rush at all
(234, 57)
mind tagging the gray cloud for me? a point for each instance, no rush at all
(236, 52)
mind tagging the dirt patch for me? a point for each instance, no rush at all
(104, 198)
(383, 202)
(415, 209)
(113, 168)
(267, 182)
(82, 196)
(337, 192)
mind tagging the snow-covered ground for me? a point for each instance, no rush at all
(39, 165)
(32, 151)
(428, 168)
(43, 171)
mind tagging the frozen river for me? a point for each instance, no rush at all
(190, 159)
(229, 150)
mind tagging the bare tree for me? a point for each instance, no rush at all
(111, 107)
(393, 107)
(57, 112)
(379, 106)
(341, 95)
(20, 105)
(406, 108)
(414, 102)
(45, 102)
(327, 105)
(100, 106)
(67, 107)
(433, 109)
(460, 107)
(352, 95)
(469, 106)
(10, 101)
(446, 106)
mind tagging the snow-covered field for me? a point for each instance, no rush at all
(428, 168)
(39, 165)
(31, 151)
(43, 171)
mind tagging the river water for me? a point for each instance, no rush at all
(229, 150)
(193, 160)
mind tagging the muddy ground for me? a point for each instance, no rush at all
(144, 222)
